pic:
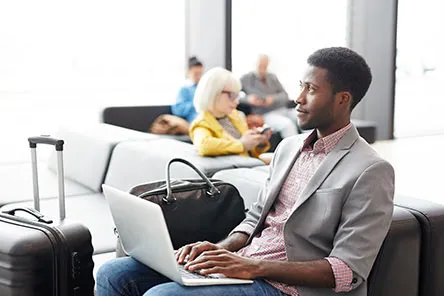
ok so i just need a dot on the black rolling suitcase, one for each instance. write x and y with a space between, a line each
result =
41 257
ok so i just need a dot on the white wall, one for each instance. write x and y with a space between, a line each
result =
288 31
61 62
205 31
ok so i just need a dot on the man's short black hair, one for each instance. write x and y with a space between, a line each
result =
347 71
194 62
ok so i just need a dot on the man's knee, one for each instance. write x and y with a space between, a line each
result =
107 273
167 289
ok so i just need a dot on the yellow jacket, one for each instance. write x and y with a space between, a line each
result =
210 138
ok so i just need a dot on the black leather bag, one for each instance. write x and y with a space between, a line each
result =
195 209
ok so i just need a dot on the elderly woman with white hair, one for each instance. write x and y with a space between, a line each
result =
219 129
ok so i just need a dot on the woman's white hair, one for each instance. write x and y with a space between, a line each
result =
211 85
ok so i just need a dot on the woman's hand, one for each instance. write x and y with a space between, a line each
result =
251 139
266 137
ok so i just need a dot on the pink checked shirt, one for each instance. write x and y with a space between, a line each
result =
269 243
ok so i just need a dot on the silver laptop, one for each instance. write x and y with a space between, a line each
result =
144 235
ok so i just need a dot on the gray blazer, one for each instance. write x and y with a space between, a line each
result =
345 210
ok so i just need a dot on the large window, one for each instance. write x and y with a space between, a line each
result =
420 68
288 31
61 62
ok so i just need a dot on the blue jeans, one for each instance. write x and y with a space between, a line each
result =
128 277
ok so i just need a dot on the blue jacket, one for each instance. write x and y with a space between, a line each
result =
184 106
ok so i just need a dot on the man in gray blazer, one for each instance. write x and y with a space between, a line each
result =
266 96
321 217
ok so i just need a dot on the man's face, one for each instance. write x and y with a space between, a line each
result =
262 66
316 107
195 73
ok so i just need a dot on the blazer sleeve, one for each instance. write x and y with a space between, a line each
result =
365 221
208 145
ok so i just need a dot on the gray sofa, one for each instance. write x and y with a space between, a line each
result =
409 263
99 154
87 154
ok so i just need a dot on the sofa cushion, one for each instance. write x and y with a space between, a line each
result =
431 220
137 162
248 181
263 168
91 210
88 149
17 183
396 268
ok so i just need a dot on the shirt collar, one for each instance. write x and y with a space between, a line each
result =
325 144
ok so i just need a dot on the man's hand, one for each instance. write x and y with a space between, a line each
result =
255 100
226 263
268 101
194 250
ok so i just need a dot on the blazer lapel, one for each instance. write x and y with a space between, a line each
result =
341 149
282 166
280 173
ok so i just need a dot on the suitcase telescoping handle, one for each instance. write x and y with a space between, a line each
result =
33 141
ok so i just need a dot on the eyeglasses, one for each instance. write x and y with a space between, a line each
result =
231 94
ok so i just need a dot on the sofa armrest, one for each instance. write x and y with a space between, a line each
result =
396 268
248 181
88 150
137 118
431 219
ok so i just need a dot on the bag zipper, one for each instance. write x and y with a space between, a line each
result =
164 191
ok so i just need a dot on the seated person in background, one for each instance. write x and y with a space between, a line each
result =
219 129
266 96
184 106
321 218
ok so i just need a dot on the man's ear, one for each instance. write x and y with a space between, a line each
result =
344 98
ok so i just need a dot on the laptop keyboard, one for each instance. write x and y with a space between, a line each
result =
193 274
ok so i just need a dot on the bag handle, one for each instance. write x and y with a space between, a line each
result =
39 216
169 197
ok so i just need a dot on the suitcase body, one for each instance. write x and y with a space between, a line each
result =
41 256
